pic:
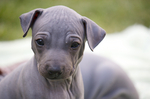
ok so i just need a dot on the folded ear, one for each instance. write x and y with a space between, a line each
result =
94 33
28 19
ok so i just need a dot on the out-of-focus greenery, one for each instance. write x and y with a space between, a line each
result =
112 15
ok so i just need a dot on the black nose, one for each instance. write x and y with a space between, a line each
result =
55 72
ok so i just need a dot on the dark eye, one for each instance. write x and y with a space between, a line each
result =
40 42
75 45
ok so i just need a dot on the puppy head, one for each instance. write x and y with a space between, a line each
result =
58 38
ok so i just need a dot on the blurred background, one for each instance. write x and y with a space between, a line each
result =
112 15
127 23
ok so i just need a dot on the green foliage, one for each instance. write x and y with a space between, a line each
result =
112 15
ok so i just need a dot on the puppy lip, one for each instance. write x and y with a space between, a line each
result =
43 71
58 78
53 79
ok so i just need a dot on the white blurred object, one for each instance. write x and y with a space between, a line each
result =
130 48
15 51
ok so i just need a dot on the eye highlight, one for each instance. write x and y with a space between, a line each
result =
75 45
40 42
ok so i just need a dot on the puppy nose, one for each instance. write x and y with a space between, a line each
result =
55 72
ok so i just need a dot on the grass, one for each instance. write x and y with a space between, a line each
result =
112 15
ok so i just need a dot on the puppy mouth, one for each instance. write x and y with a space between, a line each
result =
53 73
59 76
56 75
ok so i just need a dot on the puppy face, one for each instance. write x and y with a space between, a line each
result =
58 37
58 42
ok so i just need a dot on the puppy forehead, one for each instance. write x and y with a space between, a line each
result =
59 20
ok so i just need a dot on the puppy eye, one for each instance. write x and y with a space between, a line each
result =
40 42
75 45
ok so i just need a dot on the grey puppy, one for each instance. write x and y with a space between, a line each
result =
58 38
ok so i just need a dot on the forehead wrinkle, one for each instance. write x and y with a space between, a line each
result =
42 28
63 19
56 16
70 34
74 22
76 25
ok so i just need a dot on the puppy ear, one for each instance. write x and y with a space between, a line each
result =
94 33
28 19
